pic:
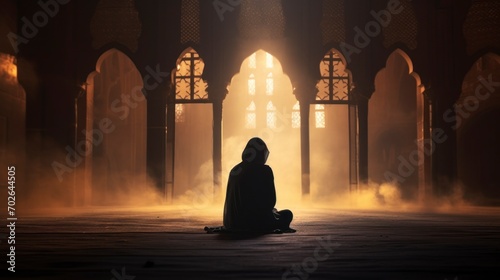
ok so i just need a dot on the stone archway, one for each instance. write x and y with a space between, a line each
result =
398 127
115 125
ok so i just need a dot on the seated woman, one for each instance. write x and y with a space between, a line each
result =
251 196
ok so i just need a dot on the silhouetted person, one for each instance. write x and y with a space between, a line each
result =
251 196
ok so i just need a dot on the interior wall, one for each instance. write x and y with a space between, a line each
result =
478 150
119 114
392 127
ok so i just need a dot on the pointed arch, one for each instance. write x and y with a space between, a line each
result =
264 78
329 127
399 123
411 71
251 59
335 84
117 160
98 64
262 114
191 120
479 70
187 78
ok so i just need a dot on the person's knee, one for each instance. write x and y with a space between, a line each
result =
286 215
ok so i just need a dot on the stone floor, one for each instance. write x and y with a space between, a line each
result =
168 243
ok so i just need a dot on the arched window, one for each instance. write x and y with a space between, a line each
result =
334 87
269 60
190 21
335 83
189 85
179 113
261 84
319 115
271 115
251 118
252 61
269 84
251 85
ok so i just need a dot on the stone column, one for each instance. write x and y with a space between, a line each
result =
305 148
170 146
156 139
217 93
362 102
306 93
217 146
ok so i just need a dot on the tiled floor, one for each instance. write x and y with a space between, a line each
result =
161 243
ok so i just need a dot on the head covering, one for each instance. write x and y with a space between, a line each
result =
255 151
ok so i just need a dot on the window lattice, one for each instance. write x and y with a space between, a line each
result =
189 85
481 25
319 116
190 21
335 83
252 61
179 113
319 113
269 84
116 21
251 85
261 87
333 21
271 115
261 19
403 27
251 118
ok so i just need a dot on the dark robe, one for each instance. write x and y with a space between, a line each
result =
251 195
